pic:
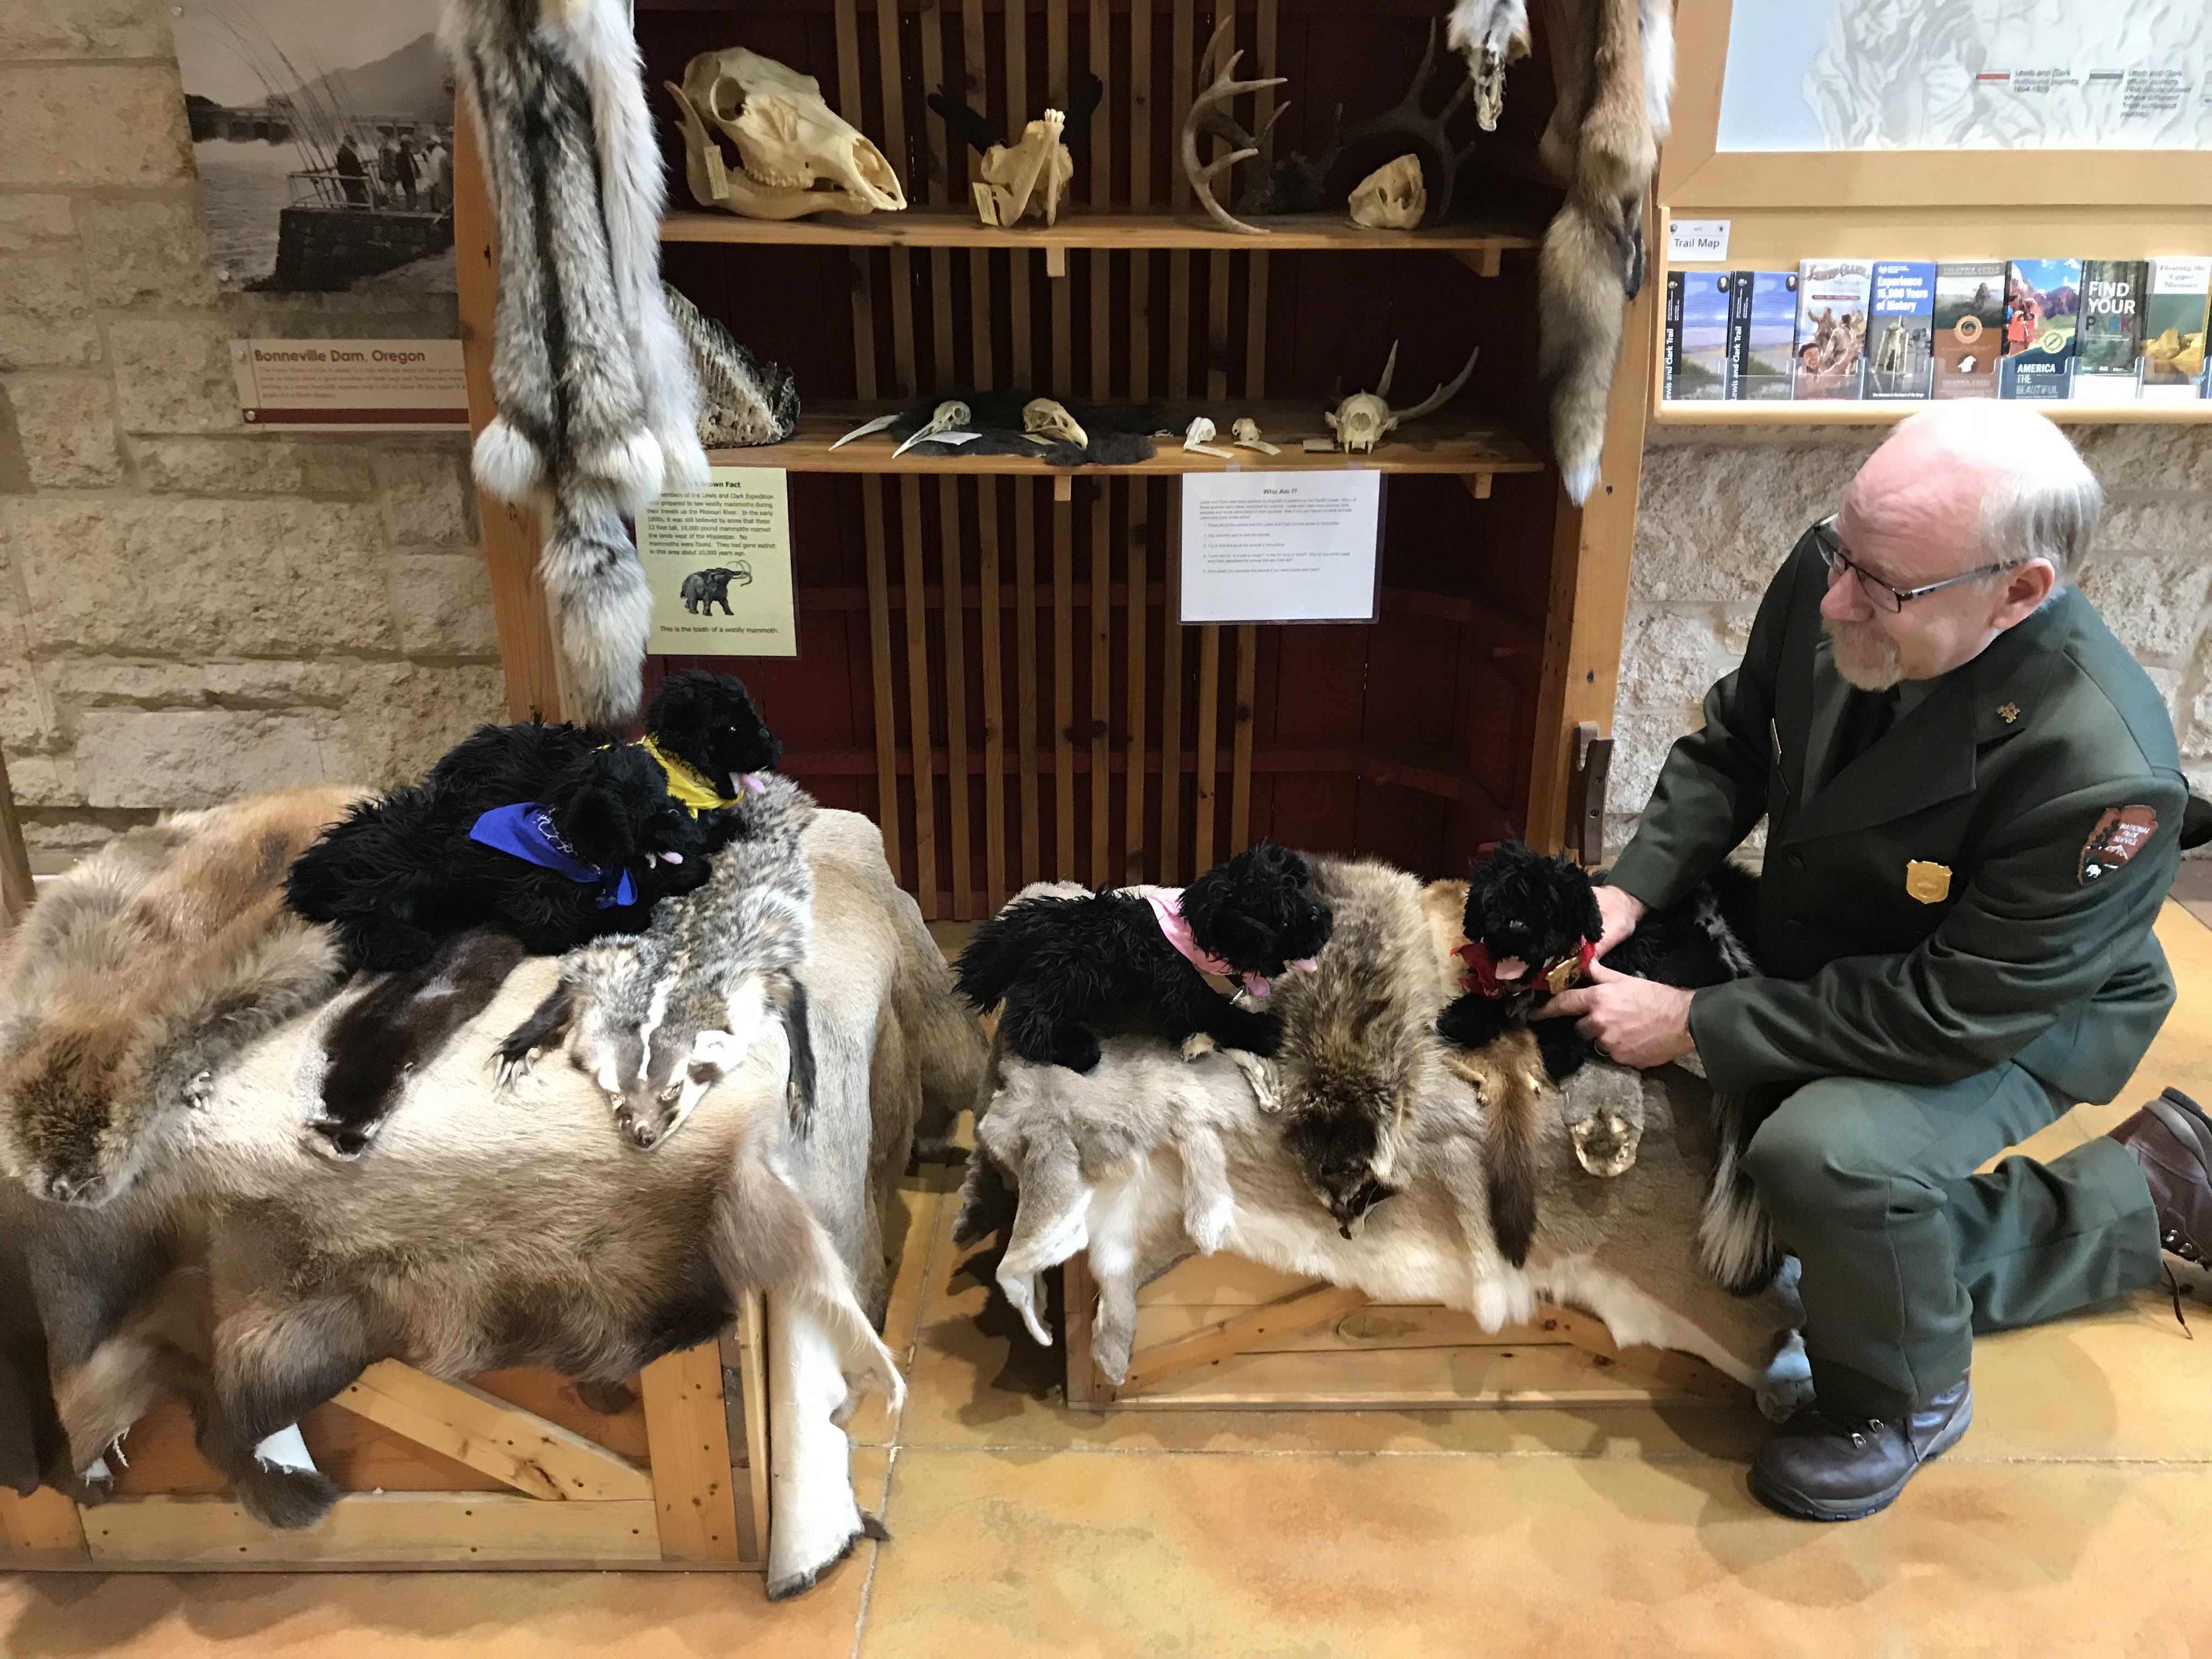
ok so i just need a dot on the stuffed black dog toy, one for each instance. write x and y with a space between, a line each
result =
545 832
1533 927
1071 970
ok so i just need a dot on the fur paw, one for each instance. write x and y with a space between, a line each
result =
200 1091
1606 1146
1197 1046
1787 1382
286 1499
345 1142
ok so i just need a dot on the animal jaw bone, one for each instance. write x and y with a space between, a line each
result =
1364 419
1245 433
1208 113
1392 197
1046 421
1199 439
1027 177
788 140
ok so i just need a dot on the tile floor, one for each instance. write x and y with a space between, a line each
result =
2073 1519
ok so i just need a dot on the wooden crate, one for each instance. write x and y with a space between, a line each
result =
513 1470
1220 1333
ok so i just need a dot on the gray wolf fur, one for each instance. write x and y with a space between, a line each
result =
144 969
658 1019
599 402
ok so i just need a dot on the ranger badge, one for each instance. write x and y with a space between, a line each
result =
1928 883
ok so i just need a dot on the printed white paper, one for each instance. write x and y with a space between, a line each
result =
1691 239
718 560
1280 547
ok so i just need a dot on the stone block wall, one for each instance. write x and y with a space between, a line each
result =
190 607
1716 518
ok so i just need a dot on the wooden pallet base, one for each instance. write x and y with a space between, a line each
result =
1223 1334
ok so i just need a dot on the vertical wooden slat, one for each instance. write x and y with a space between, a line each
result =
1255 392
1142 497
1140 494
1021 275
1209 728
1240 764
887 65
752 1372
1063 512
1169 864
689 1440
872 489
1100 15
915 596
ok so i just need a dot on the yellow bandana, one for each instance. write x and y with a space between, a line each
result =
692 790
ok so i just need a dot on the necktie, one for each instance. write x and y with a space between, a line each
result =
1871 713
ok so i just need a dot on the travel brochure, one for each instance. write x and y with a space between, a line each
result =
2103 332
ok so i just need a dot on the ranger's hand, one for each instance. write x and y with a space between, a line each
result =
1634 1022
1622 910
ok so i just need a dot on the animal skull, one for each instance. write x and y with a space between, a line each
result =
1198 438
1490 34
1363 420
788 141
1392 197
1245 433
1025 177
1047 421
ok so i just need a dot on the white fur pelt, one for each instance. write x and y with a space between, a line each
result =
1101 1163
496 1227
597 400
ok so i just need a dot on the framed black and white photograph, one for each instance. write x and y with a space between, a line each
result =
322 132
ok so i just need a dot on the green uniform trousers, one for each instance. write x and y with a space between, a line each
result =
1907 1253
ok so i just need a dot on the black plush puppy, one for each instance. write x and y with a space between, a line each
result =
1071 971
709 726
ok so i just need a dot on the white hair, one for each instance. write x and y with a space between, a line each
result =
2041 501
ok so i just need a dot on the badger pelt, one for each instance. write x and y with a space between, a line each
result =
1064 971
255 1278
1530 928
1613 64
1357 1038
1623 1249
658 1019
142 972
597 398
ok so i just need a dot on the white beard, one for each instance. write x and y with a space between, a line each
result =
1865 657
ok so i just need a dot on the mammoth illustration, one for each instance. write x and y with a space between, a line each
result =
705 589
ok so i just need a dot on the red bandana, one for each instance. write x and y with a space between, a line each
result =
1483 976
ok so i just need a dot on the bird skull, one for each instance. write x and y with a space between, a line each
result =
1392 197
1200 431
1359 422
1050 422
788 141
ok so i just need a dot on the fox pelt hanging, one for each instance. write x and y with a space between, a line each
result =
1612 63
597 398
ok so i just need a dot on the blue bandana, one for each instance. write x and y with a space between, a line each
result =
525 830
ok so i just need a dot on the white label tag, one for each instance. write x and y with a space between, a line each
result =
1697 239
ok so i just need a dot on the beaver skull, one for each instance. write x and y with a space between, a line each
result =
1392 197
789 141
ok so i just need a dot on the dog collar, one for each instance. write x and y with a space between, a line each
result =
691 788
1558 973
526 830
1167 909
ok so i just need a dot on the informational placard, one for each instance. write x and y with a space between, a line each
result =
719 563
1280 547
338 385
1692 239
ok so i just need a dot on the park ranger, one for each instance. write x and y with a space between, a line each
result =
1973 805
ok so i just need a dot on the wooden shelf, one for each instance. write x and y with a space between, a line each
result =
1856 413
1447 442
1478 244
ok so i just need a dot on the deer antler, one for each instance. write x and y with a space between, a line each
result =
1437 399
1407 116
1208 113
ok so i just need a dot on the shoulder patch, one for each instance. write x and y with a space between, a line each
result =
2121 833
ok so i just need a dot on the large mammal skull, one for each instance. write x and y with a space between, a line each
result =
1392 197
788 140
1363 420
1025 178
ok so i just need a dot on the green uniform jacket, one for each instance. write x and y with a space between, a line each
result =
1999 788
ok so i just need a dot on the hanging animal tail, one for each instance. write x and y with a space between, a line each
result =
602 608
1735 1236
1514 1126
1592 260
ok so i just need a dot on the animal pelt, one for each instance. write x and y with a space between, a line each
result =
1069 970
598 399
1623 1249
502 1227
140 972
658 1019
745 402
400 873
1613 64
1530 923
1120 434
1357 1035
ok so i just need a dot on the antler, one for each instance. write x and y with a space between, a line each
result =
1407 116
1208 112
1437 399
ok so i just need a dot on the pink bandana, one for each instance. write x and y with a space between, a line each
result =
1167 908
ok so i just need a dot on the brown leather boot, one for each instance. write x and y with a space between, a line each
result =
2172 1138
